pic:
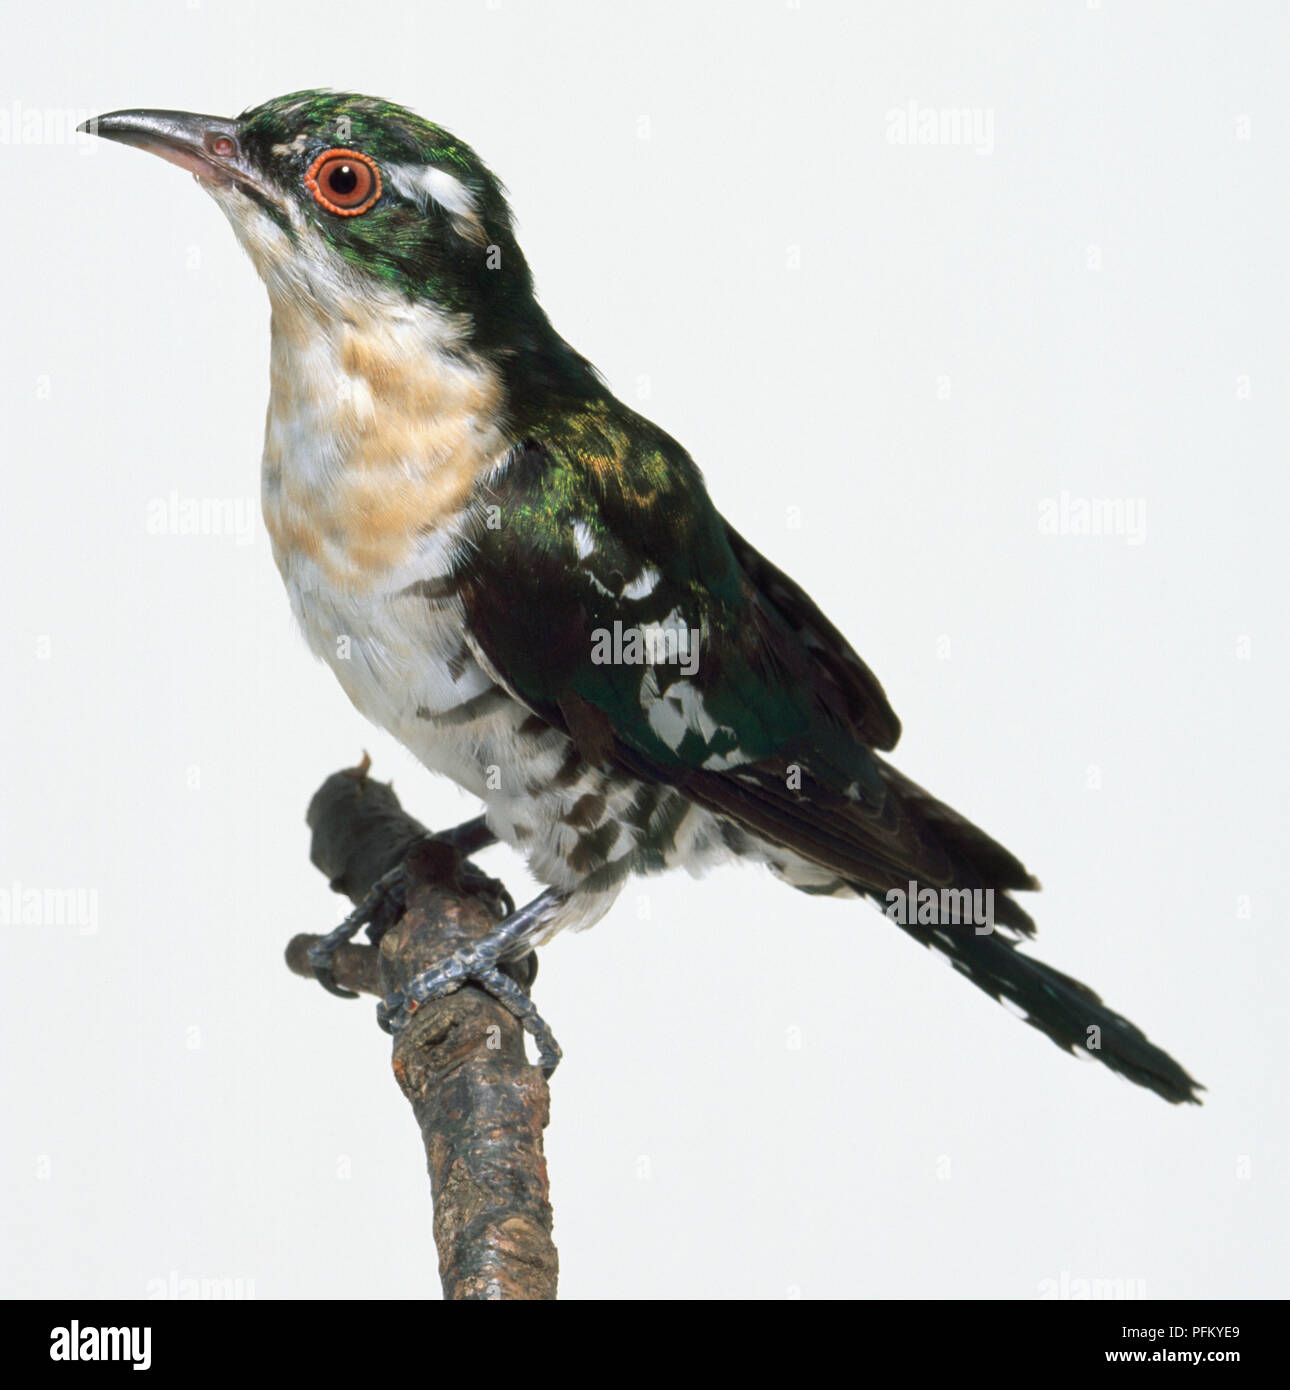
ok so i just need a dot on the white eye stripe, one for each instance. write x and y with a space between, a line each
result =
426 183
295 147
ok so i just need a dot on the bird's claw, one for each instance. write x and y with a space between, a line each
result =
474 882
386 902
501 963
383 904
475 966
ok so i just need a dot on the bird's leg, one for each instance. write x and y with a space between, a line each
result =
482 964
386 900
469 837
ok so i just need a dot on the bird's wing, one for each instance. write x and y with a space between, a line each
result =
835 663
775 725
757 709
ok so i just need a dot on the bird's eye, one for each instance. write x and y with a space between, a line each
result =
344 182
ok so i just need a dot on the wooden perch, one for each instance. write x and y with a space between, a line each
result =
460 1061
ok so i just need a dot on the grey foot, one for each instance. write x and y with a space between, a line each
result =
386 901
483 964
383 904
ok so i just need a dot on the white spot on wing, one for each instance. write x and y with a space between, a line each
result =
678 710
723 762
582 538
643 585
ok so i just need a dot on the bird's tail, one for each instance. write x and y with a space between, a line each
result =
1062 1008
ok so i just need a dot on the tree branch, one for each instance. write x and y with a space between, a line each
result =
460 1061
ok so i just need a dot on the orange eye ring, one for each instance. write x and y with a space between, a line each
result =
345 182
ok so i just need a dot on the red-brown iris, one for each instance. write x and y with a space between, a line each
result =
344 182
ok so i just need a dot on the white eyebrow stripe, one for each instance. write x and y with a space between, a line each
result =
295 147
425 183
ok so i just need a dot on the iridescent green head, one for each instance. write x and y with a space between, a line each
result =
335 193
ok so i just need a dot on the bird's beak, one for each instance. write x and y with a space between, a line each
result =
207 146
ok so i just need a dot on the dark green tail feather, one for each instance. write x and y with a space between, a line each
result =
1061 1008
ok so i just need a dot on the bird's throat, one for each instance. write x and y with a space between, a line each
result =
380 425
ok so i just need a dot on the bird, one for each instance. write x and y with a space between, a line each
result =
527 584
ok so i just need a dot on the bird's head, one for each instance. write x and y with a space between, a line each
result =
337 196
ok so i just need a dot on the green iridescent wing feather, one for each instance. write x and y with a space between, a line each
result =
603 527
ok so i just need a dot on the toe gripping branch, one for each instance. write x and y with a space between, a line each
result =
489 963
378 855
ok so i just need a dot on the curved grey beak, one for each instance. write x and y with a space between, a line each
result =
207 146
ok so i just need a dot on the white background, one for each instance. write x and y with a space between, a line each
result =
763 1095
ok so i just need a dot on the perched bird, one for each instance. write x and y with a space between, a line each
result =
527 584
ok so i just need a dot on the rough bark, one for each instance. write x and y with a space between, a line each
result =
460 1061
